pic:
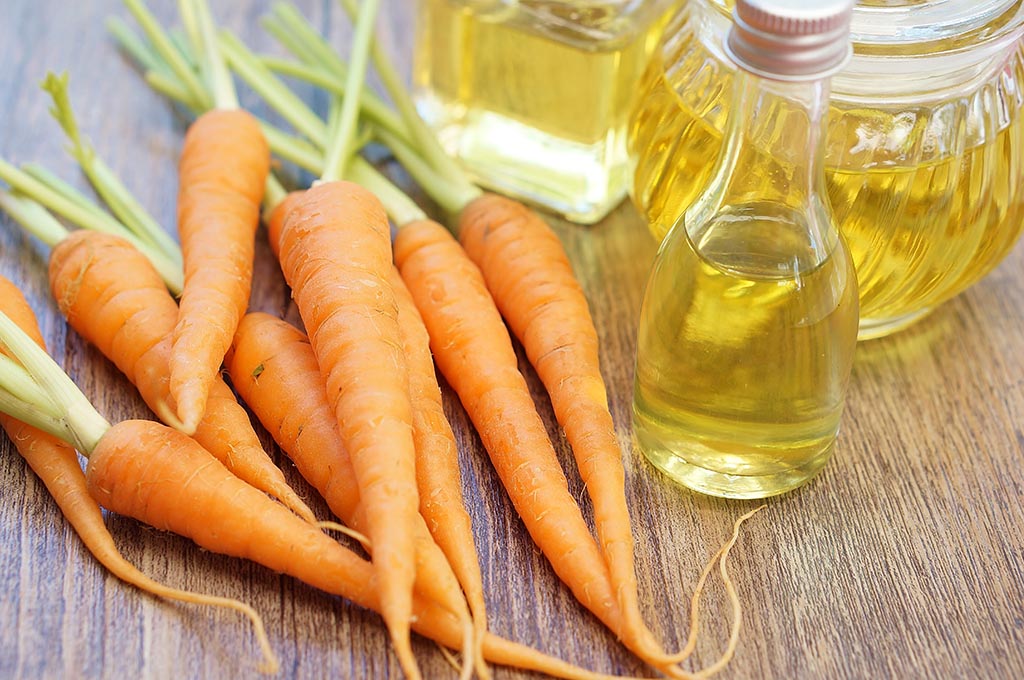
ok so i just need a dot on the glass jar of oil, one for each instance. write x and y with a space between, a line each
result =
925 155
749 321
533 96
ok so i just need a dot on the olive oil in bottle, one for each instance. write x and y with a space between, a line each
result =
749 321
533 96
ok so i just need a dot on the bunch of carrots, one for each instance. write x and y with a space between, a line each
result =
364 421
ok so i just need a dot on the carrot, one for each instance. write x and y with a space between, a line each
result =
112 297
529 276
56 464
223 168
335 254
270 357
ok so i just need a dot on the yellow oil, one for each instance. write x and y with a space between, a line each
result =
534 96
923 219
742 362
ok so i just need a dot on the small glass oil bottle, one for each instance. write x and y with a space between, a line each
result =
749 321
533 96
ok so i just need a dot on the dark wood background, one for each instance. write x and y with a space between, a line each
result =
905 558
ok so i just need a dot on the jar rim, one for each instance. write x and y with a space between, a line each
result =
914 28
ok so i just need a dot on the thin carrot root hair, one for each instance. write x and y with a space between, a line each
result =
347 531
720 557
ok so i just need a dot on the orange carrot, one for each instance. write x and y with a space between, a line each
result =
528 273
474 352
223 168
335 254
111 295
56 464
270 357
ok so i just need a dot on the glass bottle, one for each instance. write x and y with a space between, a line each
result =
749 320
533 96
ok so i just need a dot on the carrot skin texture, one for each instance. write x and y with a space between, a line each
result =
222 174
335 253
268 358
110 294
474 352
529 275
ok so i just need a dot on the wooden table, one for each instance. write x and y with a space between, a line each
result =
905 558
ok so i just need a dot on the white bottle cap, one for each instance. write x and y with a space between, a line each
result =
790 39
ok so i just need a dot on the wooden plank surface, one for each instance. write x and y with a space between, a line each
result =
905 558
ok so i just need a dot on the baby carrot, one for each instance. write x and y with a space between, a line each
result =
222 172
335 254
56 464
223 167
111 296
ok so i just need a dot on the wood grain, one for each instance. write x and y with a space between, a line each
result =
904 558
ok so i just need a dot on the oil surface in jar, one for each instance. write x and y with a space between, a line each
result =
534 96
745 345
924 218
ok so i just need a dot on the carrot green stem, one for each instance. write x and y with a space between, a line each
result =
28 412
211 60
270 88
63 188
298 45
183 44
137 48
34 218
96 220
340 146
17 382
452 198
426 141
402 209
372 106
273 194
172 89
170 54
84 423
110 188
318 51
294 149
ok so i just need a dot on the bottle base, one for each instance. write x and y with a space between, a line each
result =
879 328
730 484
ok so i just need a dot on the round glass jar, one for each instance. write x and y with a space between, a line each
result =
925 149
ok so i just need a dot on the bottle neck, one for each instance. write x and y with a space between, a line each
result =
771 166
774 140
